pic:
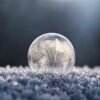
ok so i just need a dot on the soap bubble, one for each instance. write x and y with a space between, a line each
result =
51 51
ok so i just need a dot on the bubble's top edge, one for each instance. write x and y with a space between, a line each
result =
57 35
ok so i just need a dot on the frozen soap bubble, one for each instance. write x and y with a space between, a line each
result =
51 51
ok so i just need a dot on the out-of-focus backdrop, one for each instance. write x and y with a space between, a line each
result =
21 21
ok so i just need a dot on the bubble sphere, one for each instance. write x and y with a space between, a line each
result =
51 51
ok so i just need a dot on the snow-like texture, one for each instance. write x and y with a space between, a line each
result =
25 84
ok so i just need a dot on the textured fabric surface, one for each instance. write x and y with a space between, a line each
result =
25 84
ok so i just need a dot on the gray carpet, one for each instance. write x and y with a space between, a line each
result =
25 84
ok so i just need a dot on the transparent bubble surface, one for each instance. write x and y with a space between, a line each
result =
53 52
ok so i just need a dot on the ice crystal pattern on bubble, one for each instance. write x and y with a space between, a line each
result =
51 50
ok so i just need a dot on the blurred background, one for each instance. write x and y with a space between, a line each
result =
21 21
